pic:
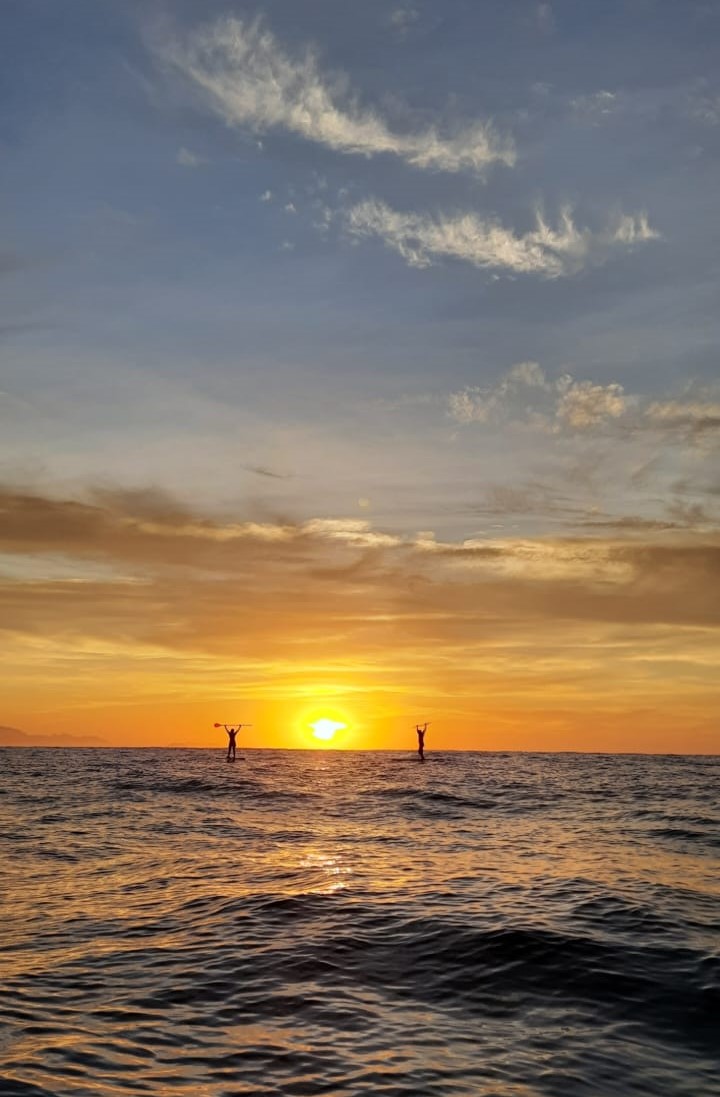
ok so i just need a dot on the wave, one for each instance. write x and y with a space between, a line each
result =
688 835
488 972
492 924
433 798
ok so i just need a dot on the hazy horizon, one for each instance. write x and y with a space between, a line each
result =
410 749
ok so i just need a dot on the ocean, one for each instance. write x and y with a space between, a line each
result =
495 925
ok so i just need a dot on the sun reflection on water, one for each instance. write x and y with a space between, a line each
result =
330 874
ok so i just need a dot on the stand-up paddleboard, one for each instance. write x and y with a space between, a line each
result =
232 730
421 730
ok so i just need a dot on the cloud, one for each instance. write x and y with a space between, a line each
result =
261 470
149 527
697 416
189 159
597 106
274 611
149 536
705 108
676 103
534 499
584 404
353 531
691 515
402 18
546 251
630 524
525 394
249 80
476 404
527 373
545 17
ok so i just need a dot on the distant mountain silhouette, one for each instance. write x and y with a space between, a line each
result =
13 737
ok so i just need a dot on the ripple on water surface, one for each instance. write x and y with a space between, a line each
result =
307 923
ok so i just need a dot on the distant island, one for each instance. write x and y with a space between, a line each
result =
13 737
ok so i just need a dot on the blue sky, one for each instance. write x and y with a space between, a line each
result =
259 233
428 287
199 280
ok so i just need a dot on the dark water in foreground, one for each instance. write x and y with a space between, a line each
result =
319 923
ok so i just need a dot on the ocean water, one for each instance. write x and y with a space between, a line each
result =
358 923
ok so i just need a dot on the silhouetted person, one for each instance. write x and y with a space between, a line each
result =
421 740
232 732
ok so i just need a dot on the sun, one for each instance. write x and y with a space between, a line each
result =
325 729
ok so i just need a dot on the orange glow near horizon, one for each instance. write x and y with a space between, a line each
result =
377 721
510 661
504 724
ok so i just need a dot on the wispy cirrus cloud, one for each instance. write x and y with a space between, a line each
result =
252 82
551 252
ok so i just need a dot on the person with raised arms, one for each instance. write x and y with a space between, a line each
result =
232 730
421 739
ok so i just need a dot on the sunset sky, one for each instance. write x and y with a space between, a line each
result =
359 362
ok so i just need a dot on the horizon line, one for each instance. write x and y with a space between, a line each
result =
372 750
